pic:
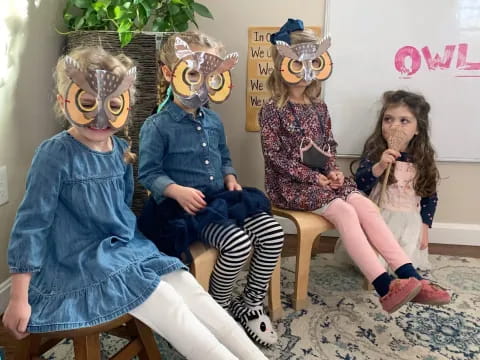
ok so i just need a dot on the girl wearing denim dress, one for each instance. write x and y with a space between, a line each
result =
75 255
301 172
185 164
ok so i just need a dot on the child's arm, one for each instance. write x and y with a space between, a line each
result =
152 147
368 172
18 310
332 144
364 176
129 185
28 240
428 206
277 157
227 168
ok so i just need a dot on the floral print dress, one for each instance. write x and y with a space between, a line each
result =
288 182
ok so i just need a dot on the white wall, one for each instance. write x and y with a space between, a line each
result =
459 205
27 32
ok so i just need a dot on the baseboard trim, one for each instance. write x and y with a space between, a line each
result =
455 234
441 233
5 294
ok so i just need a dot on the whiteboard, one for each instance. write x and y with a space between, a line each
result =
380 45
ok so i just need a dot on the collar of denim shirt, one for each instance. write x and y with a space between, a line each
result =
179 114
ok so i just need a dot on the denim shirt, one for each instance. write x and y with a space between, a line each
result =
178 148
74 231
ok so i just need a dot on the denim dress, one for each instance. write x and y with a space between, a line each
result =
75 232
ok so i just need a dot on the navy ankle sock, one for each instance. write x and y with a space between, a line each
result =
407 271
382 284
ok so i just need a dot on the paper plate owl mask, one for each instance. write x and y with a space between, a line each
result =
200 76
305 61
110 91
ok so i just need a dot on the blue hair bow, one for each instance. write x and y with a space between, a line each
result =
284 33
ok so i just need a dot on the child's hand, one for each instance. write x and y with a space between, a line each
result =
337 178
16 318
231 183
323 180
190 199
424 238
388 157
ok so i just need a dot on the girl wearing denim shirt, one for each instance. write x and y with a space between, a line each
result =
185 164
75 255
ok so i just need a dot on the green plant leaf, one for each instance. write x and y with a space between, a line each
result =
173 9
92 19
202 10
82 4
125 38
147 9
126 5
79 21
142 17
118 11
125 25
161 25
191 15
98 5
67 17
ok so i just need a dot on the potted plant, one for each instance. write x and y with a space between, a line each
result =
128 27
130 17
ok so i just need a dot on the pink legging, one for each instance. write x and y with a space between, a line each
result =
357 219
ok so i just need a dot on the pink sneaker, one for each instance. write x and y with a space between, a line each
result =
401 291
432 294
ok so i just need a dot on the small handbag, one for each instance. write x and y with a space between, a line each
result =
313 155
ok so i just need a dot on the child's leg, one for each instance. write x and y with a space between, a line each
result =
213 316
267 239
234 248
345 219
267 236
393 294
378 232
177 324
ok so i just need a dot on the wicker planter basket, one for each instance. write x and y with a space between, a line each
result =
142 50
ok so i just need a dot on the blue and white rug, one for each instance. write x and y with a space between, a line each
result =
346 322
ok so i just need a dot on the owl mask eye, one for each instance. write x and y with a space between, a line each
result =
201 75
97 98
305 61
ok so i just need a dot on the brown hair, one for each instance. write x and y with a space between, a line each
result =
277 86
167 55
93 58
419 148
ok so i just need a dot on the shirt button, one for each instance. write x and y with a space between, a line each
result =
204 144
207 162
199 128
211 178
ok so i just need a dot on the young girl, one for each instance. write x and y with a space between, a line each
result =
75 255
301 173
410 200
185 164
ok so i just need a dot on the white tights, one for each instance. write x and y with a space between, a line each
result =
183 313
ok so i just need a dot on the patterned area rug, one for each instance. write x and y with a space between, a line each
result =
346 322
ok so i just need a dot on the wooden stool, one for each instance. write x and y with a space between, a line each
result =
309 227
204 259
86 341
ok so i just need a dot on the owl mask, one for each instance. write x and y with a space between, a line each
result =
111 93
200 76
305 61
